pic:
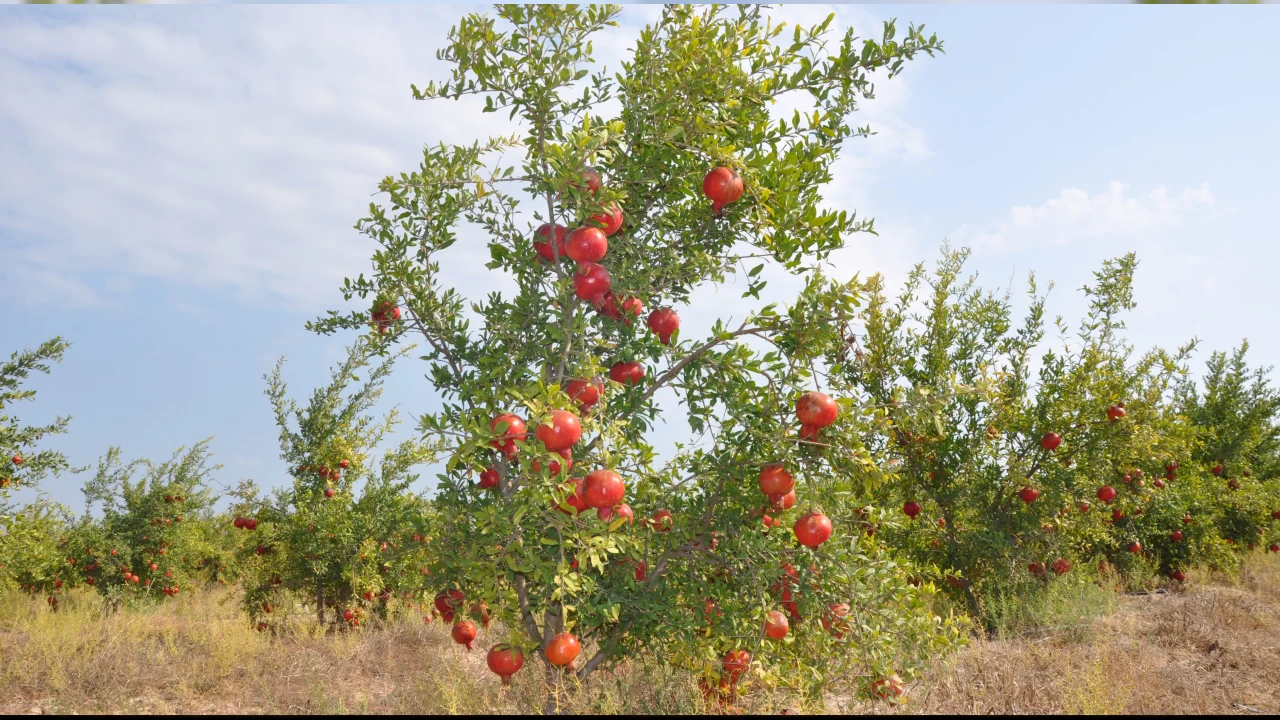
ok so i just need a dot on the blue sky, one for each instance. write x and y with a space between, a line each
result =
178 186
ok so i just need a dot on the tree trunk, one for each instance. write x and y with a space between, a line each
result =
555 677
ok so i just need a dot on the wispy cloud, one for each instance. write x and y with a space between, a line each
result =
1076 215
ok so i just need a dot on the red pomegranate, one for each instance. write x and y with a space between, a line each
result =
585 392
1061 567
664 322
576 500
1028 494
722 186
1106 493
775 480
813 529
544 247
591 282
561 432
505 661
586 245
1135 547
835 620
1115 412
785 501
624 510
816 409
1050 441
562 649
488 478
776 625
911 508
464 633
508 428
603 489
610 221
627 373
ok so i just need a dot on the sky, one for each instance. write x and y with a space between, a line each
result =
178 187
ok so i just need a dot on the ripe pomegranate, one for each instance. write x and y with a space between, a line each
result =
544 246
562 432
1036 568
1274 548
1050 441
449 601
1028 494
488 478
776 625
344 464
664 322
622 510
610 221
631 308
722 186
17 459
885 687
591 282
576 500
591 177
661 521
464 633
1275 514
813 529
627 373
1158 483
735 663
1106 493
513 429
562 649
348 614
775 480
1186 519
835 621
330 492
587 245
1217 469
1061 567
585 392
555 466
505 661
911 508
1115 412
816 409
641 570
1234 484
1135 547
238 522
1178 575
1117 515
603 488
1084 507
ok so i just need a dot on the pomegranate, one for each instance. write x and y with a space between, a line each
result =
816 409
448 602
1050 441
562 432
632 308
1106 493
1115 412
585 392
722 186
735 663
1135 547
544 246
776 625
576 500
489 478
609 221
592 177
661 521
1217 469
641 570
664 322
591 282
556 466
586 245
562 649
238 522
627 373
813 529
775 480
622 510
885 687
785 501
1028 494
911 508
464 633
603 489
505 661
1061 567
835 621
509 428
1178 575
1176 536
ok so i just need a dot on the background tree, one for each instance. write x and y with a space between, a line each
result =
558 558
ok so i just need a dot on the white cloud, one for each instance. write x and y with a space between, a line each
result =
1075 215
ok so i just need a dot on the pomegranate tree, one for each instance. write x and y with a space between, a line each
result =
555 555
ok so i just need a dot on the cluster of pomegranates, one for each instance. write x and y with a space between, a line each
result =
243 523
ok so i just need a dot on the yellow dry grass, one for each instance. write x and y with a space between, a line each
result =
1212 649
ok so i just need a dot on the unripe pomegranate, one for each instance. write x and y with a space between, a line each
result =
603 489
561 432
464 633
664 322
775 480
504 661
813 529
543 246
627 373
722 186
591 282
816 409
562 649
587 245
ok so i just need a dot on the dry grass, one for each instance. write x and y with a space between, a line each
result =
1209 650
